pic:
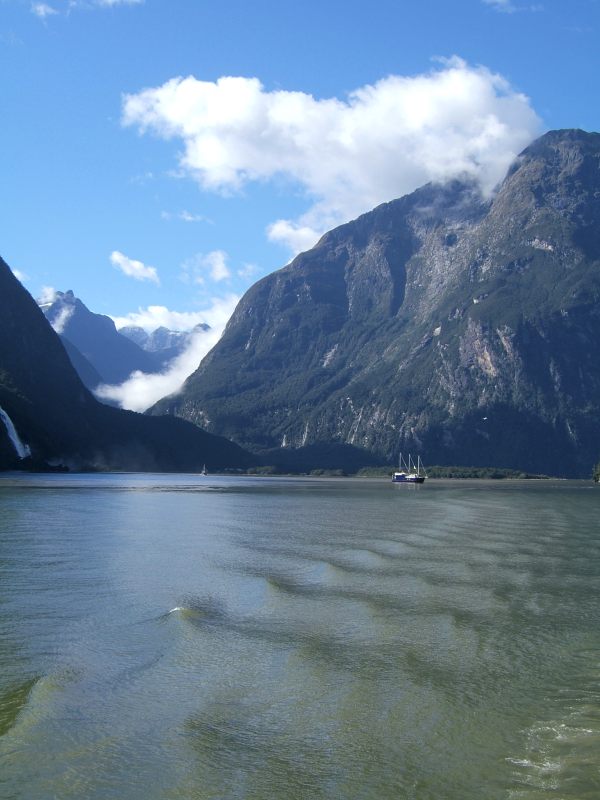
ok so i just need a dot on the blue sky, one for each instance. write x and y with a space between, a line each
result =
139 190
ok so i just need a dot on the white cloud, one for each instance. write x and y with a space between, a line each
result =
349 155
132 268
216 263
20 276
294 236
213 264
155 317
43 10
141 391
59 322
186 216
47 296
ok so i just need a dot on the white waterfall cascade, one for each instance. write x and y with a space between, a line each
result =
22 450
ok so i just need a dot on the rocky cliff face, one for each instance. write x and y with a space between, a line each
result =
61 422
446 323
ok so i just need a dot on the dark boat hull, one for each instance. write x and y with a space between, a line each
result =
408 479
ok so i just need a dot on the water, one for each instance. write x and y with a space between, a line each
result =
186 637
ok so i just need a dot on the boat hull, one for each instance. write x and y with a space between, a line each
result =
399 478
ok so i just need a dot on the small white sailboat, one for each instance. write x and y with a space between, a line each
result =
204 471
409 471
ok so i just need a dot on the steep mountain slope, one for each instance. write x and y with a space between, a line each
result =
95 336
61 421
462 327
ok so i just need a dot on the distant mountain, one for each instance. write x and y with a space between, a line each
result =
135 334
460 327
59 419
113 356
90 377
165 343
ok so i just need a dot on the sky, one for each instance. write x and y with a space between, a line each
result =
160 156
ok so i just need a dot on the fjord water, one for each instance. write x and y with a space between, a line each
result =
187 637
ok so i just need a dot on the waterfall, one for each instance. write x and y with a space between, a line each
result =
22 450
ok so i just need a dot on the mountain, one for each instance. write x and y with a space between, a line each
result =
113 356
60 420
163 342
461 327
89 375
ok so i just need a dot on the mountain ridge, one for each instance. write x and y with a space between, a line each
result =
460 326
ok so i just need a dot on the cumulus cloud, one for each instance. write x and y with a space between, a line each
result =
141 391
295 236
216 264
380 142
213 264
132 268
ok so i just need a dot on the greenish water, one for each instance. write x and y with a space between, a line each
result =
186 637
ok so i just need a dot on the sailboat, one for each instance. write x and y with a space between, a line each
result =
409 471
204 471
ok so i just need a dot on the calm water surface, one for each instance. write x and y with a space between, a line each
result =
168 637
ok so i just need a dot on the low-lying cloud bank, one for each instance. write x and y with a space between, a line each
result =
140 391
382 141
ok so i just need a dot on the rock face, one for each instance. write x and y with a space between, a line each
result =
59 419
444 323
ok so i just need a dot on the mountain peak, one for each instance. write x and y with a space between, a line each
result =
565 150
460 327
565 136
